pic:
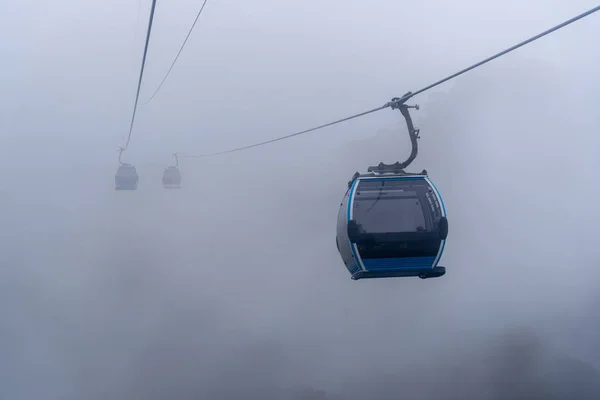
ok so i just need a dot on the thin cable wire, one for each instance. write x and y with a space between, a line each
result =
289 136
135 38
411 94
523 43
137 96
178 53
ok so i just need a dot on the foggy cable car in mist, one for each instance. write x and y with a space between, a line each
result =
171 176
126 177
392 223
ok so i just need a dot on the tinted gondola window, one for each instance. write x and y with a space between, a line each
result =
389 215
391 206
172 174
127 172
434 205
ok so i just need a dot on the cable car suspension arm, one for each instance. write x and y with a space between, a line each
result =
121 150
413 133
398 103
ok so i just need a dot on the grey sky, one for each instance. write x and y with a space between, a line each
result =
235 279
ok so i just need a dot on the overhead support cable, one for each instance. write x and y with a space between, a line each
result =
137 96
396 102
178 54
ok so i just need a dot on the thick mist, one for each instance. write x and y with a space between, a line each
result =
232 287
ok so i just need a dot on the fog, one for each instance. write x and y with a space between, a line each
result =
232 287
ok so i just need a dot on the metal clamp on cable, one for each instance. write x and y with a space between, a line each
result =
398 102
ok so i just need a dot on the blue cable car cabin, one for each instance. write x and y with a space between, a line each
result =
392 225
171 178
126 177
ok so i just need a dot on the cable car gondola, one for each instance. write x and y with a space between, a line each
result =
171 176
392 223
126 177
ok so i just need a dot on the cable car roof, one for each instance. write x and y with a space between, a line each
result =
126 166
385 171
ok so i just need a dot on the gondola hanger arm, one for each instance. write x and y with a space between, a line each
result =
121 150
399 103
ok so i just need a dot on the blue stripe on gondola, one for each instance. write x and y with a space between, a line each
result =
348 220
374 264
392 178
441 253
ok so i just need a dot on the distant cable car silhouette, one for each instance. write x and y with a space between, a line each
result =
392 223
171 176
126 177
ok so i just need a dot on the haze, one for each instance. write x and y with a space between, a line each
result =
232 287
